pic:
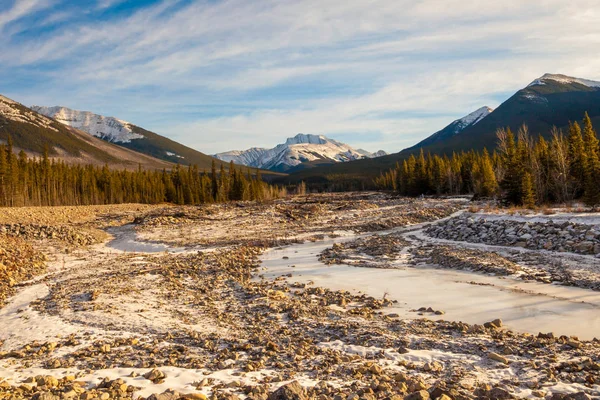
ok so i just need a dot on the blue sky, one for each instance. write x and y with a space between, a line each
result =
221 75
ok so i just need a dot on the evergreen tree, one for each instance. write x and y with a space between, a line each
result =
592 164
511 183
528 194
529 171
489 185
213 181
577 157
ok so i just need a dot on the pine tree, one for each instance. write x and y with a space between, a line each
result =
591 194
528 194
514 172
577 157
213 181
489 185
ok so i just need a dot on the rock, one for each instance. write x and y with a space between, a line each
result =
585 247
577 396
375 369
420 395
500 394
154 375
166 395
549 335
291 391
574 343
498 357
433 366
497 323
194 396
47 396
47 381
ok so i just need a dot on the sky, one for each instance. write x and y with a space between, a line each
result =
218 75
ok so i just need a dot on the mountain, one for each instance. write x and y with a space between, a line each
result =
127 135
33 132
550 100
455 127
300 152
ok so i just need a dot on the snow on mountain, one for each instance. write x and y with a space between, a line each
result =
302 148
248 157
472 118
14 111
108 128
564 79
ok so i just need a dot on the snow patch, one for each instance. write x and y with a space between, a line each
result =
534 97
170 154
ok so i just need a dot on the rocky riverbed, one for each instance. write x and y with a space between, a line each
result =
537 234
199 318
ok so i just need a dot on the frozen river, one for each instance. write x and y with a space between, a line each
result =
469 297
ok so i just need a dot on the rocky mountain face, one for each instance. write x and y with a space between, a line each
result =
35 133
301 151
128 135
108 128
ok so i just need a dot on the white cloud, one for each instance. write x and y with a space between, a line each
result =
425 62
20 9
104 4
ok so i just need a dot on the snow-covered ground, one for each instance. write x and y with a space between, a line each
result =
196 305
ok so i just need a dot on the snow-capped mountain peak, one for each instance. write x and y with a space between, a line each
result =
303 138
300 149
456 127
108 128
474 117
564 79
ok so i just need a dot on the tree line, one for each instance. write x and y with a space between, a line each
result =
522 170
31 181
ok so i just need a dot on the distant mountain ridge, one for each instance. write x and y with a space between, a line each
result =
301 151
550 100
127 135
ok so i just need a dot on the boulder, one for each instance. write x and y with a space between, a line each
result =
498 357
420 395
290 391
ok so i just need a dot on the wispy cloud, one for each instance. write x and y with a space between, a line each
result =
20 9
104 4
236 73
